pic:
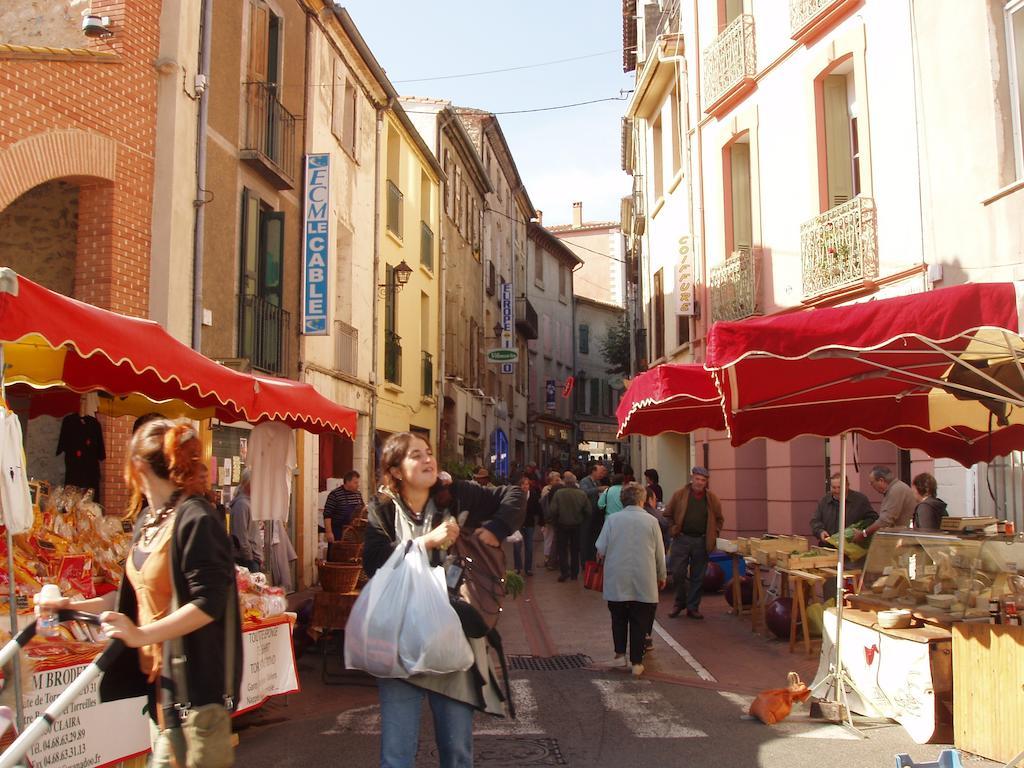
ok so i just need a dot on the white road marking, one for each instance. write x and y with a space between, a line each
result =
697 667
797 725
526 715
646 713
364 721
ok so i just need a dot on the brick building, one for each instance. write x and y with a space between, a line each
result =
77 135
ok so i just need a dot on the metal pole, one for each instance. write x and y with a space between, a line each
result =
840 687
12 596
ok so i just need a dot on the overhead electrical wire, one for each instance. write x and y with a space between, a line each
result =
556 234
509 69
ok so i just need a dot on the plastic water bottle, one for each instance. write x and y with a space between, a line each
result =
48 621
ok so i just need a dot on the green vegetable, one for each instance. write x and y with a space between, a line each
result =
514 584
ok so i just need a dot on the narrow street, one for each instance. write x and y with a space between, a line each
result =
688 709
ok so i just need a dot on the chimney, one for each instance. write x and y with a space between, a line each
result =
577 215
539 215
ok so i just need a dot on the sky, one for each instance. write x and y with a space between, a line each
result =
563 155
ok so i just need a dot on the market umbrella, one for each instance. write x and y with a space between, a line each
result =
670 398
940 371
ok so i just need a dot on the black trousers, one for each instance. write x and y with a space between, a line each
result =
567 543
633 620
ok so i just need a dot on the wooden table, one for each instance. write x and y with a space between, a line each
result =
803 583
738 608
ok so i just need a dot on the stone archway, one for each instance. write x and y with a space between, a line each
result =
54 155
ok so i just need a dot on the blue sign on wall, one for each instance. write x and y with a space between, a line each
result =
508 319
316 236
499 452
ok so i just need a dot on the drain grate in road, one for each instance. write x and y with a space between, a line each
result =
549 663
503 752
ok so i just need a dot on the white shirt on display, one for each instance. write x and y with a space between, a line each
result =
272 463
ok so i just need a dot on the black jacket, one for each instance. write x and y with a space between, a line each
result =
500 510
534 514
929 512
204 575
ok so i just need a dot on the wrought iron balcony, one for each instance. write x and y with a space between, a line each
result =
526 318
264 334
426 246
736 287
639 210
809 17
392 357
428 375
729 64
839 247
394 209
268 143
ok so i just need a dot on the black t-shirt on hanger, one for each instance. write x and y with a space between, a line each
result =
81 442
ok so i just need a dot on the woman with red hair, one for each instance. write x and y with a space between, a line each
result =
177 606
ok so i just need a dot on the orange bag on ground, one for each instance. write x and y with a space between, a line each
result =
774 705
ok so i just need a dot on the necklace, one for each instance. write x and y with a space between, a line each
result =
156 519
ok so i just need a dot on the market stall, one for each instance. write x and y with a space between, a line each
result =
55 350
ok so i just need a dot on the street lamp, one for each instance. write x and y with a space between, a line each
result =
401 274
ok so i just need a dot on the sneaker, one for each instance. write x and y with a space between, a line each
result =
622 657
648 645
674 613
638 669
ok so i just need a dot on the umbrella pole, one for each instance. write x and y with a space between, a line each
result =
12 597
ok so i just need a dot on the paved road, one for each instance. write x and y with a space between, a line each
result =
593 718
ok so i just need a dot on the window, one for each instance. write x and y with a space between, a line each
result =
584 339
682 329
343 109
594 399
676 120
447 181
562 282
426 233
842 162
392 341
265 35
538 264
474 226
731 9
738 226
395 197
459 201
263 324
1015 53
348 139
658 158
658 310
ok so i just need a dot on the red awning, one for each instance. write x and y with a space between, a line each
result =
51 340
939 371
670 398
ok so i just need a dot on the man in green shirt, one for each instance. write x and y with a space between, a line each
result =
696 515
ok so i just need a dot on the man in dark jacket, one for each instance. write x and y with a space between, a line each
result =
826 517
696 515
569 510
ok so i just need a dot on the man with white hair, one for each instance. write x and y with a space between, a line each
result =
898 502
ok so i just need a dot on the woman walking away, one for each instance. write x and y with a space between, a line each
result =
406 510
634 572
930 509
177 608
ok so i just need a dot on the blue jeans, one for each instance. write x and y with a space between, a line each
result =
690 561
401 705
517 551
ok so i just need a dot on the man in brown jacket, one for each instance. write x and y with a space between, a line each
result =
696 515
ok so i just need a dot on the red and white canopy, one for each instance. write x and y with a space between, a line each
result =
940 371
670 398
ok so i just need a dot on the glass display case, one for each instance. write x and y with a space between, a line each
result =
941 576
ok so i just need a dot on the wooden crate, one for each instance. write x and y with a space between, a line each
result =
823 560
988 707
771 551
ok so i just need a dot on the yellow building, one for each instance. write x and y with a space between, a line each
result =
408 270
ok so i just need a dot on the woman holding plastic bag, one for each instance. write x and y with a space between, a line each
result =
413 507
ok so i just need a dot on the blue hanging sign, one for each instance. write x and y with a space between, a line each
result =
316 236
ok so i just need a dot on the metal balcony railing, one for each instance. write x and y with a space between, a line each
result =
428 375
392 357
264 334
394 209
269 138
804 14
639 210
346 348
839 247
426 246
526 318
735 287
729 61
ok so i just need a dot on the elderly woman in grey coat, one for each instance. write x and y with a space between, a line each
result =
634 572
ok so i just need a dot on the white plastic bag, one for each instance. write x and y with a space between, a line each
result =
432 639
515 538
375 623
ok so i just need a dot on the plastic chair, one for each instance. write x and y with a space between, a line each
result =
948 758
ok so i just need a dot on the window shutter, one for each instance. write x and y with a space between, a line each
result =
742 219
259 35
838 152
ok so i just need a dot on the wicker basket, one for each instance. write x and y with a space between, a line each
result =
339 577
331 609
344 552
